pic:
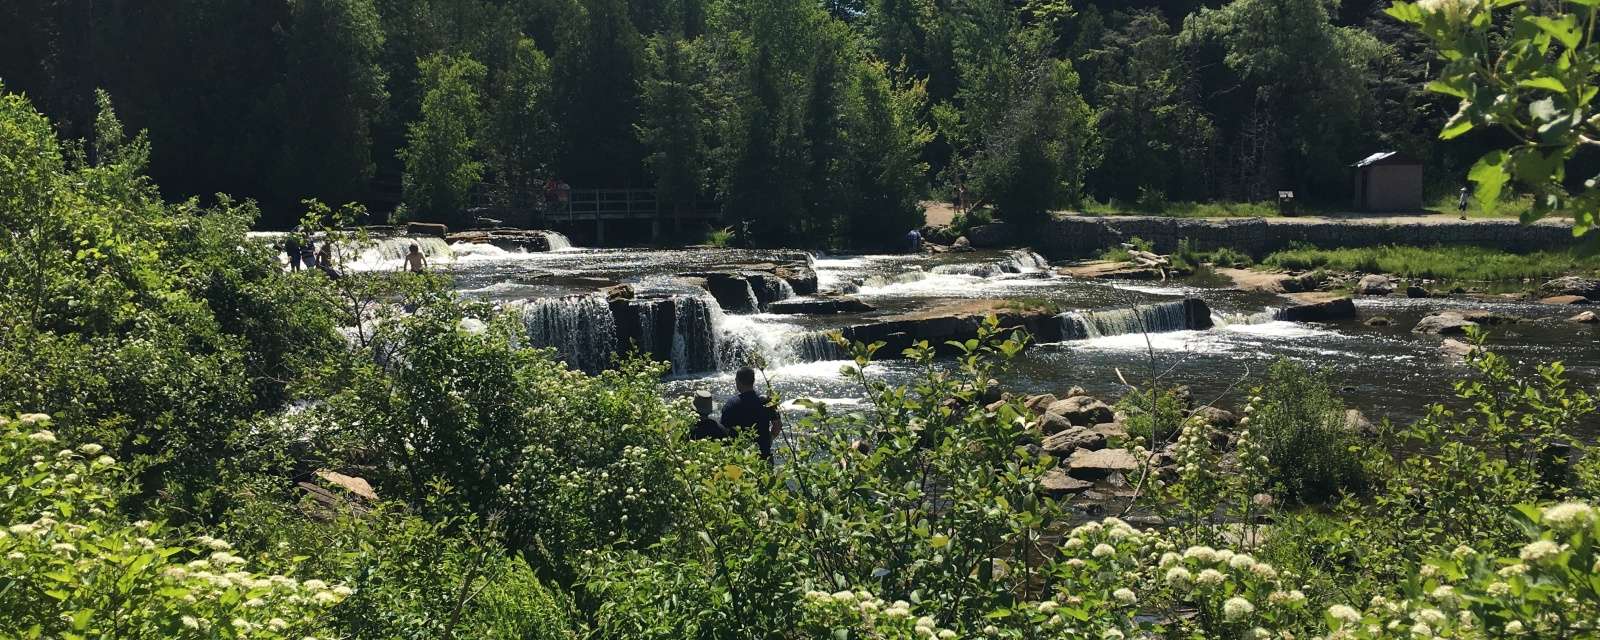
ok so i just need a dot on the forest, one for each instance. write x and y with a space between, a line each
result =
826 121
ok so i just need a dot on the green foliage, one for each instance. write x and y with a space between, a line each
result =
1527 71
334 92
440 154
1153 418
1444 262
74 569
721 238
412 577
162 331
1303 430
1220 257
520 133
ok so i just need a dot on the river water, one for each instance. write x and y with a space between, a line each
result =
1387 372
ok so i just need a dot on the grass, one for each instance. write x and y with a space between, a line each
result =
720 237
1438 262
1184 209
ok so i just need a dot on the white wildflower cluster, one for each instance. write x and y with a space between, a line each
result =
870 615
1238 586
67 538
1451 9
1568 517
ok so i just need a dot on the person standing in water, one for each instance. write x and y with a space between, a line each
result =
707 428
751 410
291 246
1461 203
415 261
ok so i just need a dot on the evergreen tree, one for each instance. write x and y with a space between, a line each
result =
334 91
440 154
521 131
674 120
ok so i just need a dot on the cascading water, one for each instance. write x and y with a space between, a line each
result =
389 253
580 329
1154 318
557 240
749 342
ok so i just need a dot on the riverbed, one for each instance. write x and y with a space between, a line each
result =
1387 372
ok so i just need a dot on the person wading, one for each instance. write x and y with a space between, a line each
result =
750 410
291 246
415 261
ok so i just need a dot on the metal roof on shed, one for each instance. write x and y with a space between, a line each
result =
1386 157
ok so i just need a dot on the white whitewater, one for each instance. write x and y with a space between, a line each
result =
1152 318
579 328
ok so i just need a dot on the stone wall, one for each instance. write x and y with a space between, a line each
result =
1079 237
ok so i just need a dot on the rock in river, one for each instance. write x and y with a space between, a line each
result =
1057 484
1457 322
1587 317
1572 286
1338 309
1063 443
1083 411
1219 418
1092 465
1564 300
1375 285
817 306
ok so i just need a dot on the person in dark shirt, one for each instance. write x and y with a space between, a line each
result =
750 410
291 246
707 427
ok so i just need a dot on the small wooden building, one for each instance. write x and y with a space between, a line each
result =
1388 181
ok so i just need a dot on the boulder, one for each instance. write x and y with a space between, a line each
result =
1081 411
991 235
354 485
618 292
1415 291
1051 424
732 291
1564 300
1455 348
1093 465
801 278
1444 323
1357 422
1587 317
1075 391
1374 285
426 229
1328 311
961 244
1039 403
1111 430
1379 321
1063 443
1058 484
819 306
1572 286
1489 318
1219 418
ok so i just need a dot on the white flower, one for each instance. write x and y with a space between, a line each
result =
1421 630
22 529
1125 596
1236 609
1539 550
1048 607
1111 634
105 461
1103 550
345 592
1498 589
314 585
190 622
33 418
1569 516
1433 617
42 436
1241 562
947 635
1444 593
1179 577
1451 9
325 597
1514 628
16 556
1169 558
91 449
1210 578
845 597
1344 613
1204 554
991 631
63 547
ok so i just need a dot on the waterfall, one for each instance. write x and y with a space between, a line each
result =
694 334
557 240
388 253
1190 313
1015 261
745 342
898 278
579 328
1026 261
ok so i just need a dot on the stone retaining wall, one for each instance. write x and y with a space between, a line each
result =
1077 237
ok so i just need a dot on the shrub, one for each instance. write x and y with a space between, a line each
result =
73 569
1302 429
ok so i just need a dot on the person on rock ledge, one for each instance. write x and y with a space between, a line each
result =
750 410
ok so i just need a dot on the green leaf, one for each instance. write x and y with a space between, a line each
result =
1544 82
80 620
1489 172
1449 89
1564 29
